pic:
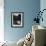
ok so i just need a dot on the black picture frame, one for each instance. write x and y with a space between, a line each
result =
17 19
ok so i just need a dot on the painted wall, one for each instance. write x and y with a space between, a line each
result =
43 6
29 7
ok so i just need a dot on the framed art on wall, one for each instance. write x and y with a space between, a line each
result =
17 19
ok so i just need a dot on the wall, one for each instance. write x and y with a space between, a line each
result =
43 6
29 7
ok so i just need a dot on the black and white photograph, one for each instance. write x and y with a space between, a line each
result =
17 19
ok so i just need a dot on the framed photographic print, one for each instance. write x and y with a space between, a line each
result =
17 19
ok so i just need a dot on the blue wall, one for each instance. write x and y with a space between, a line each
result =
43 6
29 7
